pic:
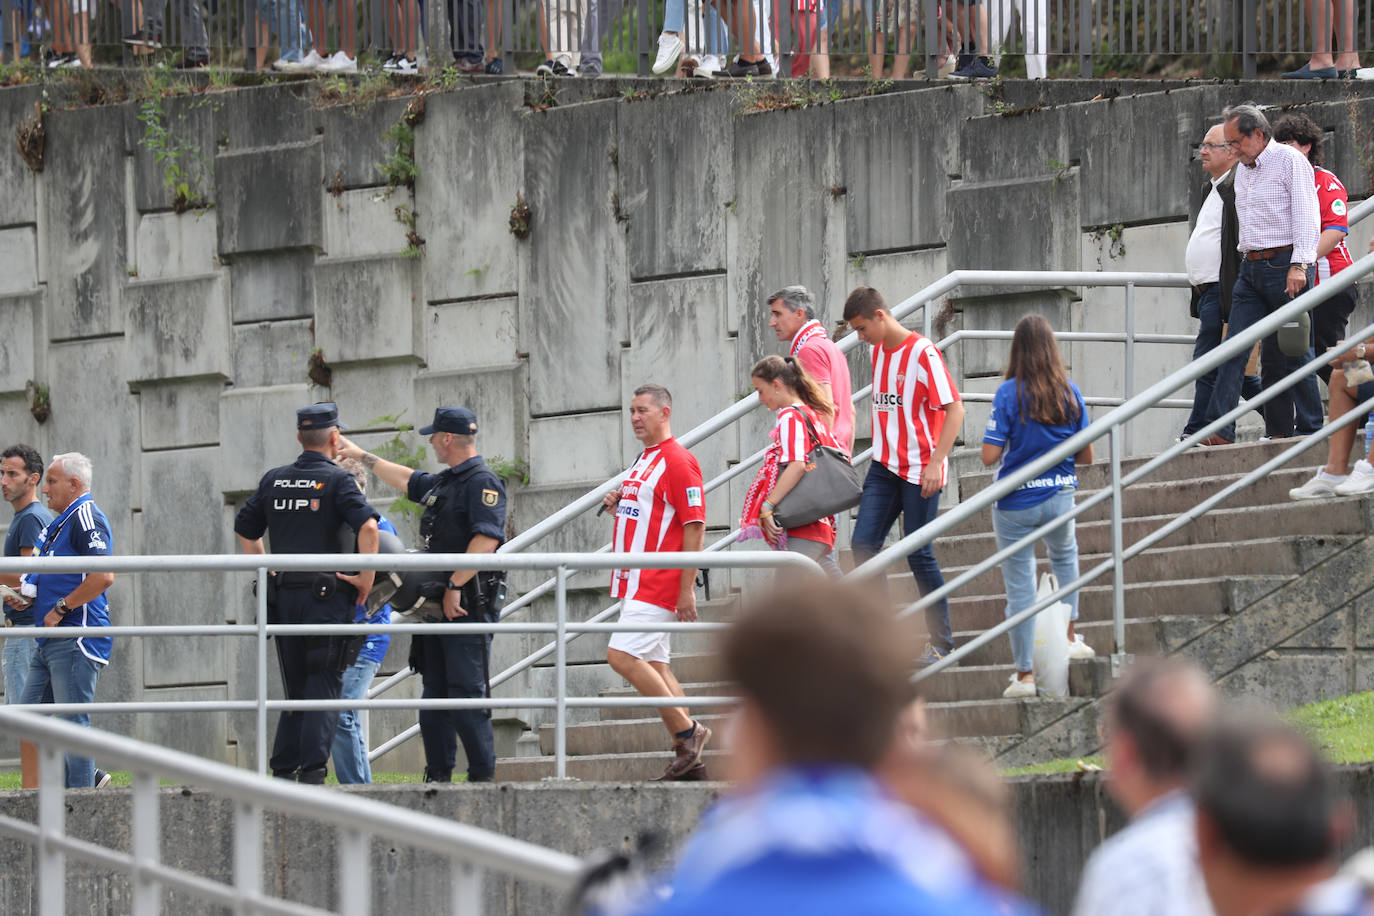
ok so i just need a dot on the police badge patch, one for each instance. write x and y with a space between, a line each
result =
489 497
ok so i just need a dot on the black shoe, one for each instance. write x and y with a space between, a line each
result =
430 777
313 777
739 68
192 62
144 38
102 779
288 775
494 66
980 68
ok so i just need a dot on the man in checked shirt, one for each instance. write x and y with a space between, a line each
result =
1276 201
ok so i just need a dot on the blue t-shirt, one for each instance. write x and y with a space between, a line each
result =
81 530
1024 441
374 650
25 531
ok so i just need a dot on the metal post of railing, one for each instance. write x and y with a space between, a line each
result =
146 892
927 315
1085 38
466 890
52 815
1249 39
262 672
643 37
1119 564
247 855
355 894
560 680
1130 356
935 48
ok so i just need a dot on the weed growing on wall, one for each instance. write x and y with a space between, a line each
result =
185 167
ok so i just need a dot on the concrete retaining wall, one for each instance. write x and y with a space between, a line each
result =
176 345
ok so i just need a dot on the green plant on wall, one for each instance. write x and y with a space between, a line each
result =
510 470
185 167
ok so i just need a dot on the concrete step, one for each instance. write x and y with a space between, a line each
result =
1285 556
610 767
1339 516
1153 636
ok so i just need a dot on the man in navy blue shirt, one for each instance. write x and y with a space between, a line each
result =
21 471
301 507
65 669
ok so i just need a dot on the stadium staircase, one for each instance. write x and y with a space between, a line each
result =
1235 590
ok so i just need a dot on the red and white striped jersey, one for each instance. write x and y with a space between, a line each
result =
1332 199
661 494
911 387
793 440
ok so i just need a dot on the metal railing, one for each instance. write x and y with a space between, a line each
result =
1086 32
561 628
470 850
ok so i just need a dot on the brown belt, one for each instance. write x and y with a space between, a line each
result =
1264 254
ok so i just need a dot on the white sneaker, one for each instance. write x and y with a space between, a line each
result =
1019 689
947 67
707 65
339 62
282 65
1079 649
1319 487
1365 73
312 60
670 48
405 67
1359 482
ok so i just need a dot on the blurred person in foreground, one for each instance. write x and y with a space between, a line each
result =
1153 722
1271 818
823 678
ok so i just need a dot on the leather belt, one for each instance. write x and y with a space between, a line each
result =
1264 254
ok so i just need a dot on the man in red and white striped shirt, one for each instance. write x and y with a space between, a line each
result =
916 417
659 508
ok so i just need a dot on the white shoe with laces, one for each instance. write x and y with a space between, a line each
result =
1359 482
1319 487
312 60
1079 649
670 48
338 62
1019 689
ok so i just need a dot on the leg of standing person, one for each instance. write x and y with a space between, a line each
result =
349 749
879 505
1329 321
72 678
1343 14
1018 575
813 550
917 512
465 34
1208 339
465 659
194 36
1307 399
438 732
1062 546
1035 18
286 747
1247 307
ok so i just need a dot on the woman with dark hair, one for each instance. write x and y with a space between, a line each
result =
1033 411
805 416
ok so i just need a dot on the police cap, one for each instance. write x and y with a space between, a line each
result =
319 416
457 420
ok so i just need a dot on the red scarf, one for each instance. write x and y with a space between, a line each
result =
812 328
763 484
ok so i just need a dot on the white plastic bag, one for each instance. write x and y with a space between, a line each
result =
1051 654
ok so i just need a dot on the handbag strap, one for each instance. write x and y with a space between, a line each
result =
813 438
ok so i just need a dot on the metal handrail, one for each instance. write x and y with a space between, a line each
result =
358 820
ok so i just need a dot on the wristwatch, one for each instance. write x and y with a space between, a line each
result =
452 587
1299 265
61 607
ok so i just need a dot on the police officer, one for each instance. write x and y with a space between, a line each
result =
464 512
301 507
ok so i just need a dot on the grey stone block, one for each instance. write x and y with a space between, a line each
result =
273 287
205 734
176 244
988 232
355 141
269 199
85 245
577 447
363 223
888 154
368 393
177 329
19 203
20 315
190 124
465 223
1000 313
179 414
367 309
574 300
472 334
19 254
674 193
264 116
497 396
1041 139
259 433
270 353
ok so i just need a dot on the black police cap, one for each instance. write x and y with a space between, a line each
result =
457 420
319 416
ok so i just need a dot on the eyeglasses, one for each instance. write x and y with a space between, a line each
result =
1235 144
1212 146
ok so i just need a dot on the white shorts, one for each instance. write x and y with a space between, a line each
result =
651 647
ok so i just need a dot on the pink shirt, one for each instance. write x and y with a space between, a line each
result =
1276 202
825 363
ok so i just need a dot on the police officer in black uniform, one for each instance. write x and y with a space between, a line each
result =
301 506
464 512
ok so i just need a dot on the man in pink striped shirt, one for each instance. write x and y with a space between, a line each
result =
792 316
1276 203
916 416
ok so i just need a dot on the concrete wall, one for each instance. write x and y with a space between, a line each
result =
1060 820
176 345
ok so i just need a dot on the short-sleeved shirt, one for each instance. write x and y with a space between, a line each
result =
374 648
26 529
794 441
301 506
659 496
1024 439
464 500
80 530
1334 203
911 388
824 362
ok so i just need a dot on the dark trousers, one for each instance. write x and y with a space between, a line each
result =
1329 323
455 667
885 496
1209 333
465 29
1260 289
309 671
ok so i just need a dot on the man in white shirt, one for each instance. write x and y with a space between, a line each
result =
1154 721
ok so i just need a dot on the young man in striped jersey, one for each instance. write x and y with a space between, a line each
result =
659 507
916 418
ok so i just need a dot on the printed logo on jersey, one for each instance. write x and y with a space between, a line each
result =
628 506
299 484
1335 186
1338 207
887 401
694 496
489 497
96 542
992 424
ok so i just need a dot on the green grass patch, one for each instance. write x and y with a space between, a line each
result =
1064 765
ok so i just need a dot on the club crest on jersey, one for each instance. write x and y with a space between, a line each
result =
489 497
1338 207
901 379
694 496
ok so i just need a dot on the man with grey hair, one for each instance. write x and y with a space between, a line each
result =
65 669
1276 203
792 316
1153 722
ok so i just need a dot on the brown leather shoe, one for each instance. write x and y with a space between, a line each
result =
695 774
1214 439
688 751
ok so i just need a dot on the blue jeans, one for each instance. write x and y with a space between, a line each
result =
15 659
60 673
1260 289
350 744
886 495
284 18
1018 570
1208 339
